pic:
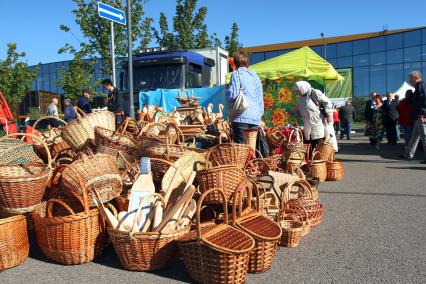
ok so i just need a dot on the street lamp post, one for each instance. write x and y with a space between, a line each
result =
325 58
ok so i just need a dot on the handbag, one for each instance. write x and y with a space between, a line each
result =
262 145
239 105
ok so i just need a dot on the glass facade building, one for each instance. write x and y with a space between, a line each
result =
379 61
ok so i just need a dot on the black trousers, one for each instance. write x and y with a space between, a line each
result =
390 126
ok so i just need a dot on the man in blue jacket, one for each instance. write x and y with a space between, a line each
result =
83 102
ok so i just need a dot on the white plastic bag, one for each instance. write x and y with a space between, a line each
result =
329 131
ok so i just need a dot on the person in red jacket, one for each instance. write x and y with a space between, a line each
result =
336 119
404 108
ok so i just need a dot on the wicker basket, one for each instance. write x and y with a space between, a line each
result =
159 131
313 208
291 222
52 138
72 239
227 178
224 154
335 170
16 152
295 145
295 161
250 137
216 253
326 149
99 170
82 129
317 167
265 232
14 245
145 251
119 145
275 138
22 186
256 168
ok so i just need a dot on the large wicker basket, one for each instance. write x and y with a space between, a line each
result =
82 129
326 149
22 186
100 171
265 232
75 238
14 245
16 152
216 253
227 178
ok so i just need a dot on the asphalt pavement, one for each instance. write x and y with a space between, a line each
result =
374 230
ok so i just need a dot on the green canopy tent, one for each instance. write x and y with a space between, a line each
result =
278 76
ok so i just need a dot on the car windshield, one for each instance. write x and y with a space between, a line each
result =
146 78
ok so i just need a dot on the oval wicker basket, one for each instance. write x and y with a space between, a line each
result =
82 129
100 171
14 245
82 235
317 167
22 186
335 170
215 253
325 147
16 152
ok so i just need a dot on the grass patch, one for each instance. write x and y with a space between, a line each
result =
358 125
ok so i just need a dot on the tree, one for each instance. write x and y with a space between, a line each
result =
96 31
77 77
15 77
189 29
231 41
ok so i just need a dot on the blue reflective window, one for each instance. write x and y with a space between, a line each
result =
360 46
331 51
378 79
318 50
377 44
378 58
394 76
412 54
343 62
394 41
412 38
408 67
270 54
52 78
257 57
344 49
424 68
333 62
361 81
424 53
45 68
285 51
394 56
423 36
361 60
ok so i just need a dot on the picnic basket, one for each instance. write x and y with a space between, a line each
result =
216 253
22 186
100 171
265 232
73 237
145 251
14 245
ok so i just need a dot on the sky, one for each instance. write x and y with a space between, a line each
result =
34 25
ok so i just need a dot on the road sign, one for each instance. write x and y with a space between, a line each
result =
110 13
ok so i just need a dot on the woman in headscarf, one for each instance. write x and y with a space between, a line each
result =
316 110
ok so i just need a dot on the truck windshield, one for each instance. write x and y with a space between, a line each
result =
147 78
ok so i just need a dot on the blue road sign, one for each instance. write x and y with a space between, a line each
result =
110 13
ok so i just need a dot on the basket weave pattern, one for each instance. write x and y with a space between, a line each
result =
14 245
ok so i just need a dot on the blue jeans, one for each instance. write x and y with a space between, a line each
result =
346 127
238 130
407 133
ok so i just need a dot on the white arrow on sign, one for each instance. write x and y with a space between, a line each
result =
120 16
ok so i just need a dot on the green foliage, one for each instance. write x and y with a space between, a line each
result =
231 42
78 77
34 113
359 104
96 30
15 77
189 29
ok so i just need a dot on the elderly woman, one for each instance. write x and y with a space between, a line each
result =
315 109
248 81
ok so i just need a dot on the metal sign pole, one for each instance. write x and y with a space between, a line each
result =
112 53
129 35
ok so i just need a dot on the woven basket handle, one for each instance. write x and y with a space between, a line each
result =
238 199
50 204
79 112
85 199
47 117
49 156
305 218
211 150
302 184
293 154
314 155
200 202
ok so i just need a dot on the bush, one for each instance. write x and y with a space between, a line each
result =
34 113
359 105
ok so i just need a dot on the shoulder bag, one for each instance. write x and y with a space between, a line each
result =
239 105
